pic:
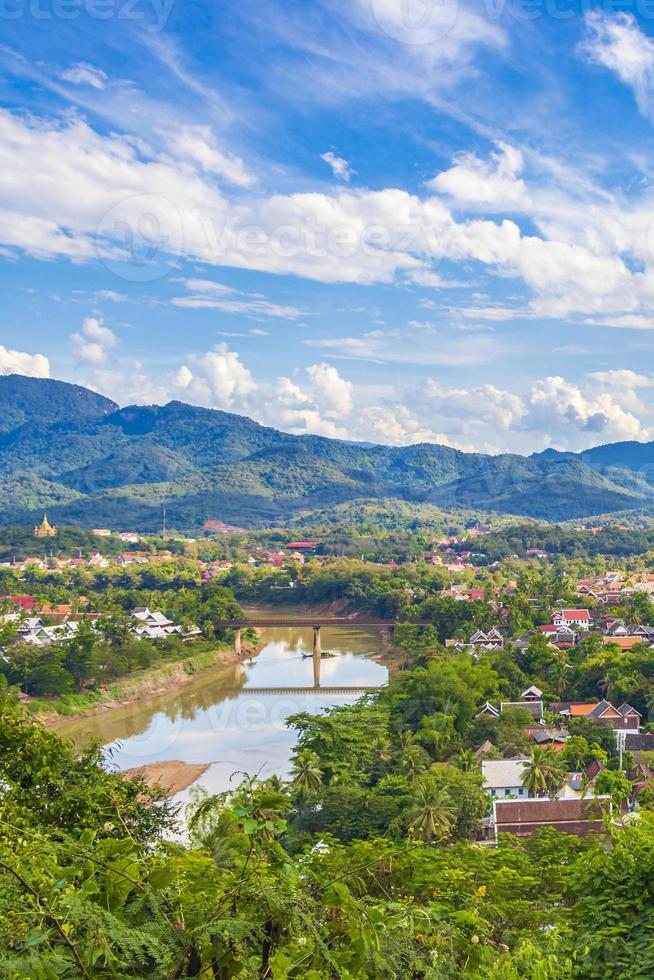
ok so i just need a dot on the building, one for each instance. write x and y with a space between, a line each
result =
492 640
531 701
572 617
622 719
45 529
503 777
522 817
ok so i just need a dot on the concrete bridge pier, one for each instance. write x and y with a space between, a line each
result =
316 641
237 641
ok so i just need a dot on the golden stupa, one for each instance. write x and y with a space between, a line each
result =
44 529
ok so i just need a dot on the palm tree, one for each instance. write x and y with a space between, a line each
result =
432 812
413 762
306 770
465 760
543 774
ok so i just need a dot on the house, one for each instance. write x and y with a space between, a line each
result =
150 618
623 719
576 816
549 738
102 532
131 537
492 640
638 744
302 545
531 704
156 626
488 709
503 777
532 693
559 636
572 617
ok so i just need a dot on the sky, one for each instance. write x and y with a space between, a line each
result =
396 221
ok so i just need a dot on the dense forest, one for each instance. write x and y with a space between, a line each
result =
90 463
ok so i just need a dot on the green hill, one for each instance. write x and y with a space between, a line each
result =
74 452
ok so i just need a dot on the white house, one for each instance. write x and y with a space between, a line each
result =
503 777
572 617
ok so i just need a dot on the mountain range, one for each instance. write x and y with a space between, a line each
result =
77 454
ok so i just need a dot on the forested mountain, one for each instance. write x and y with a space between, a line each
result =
77 454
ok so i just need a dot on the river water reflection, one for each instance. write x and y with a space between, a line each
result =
215 720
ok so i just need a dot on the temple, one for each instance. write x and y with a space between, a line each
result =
44 529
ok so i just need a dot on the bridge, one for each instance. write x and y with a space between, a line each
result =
310 622
301 691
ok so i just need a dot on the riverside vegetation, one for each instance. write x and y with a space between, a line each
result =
363 864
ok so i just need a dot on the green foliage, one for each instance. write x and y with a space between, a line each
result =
91 464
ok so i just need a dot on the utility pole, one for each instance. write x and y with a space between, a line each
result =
164 521
621 741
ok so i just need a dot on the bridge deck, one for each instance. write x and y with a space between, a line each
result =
300 691
308 623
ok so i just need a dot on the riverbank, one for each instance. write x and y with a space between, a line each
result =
149 684
172 776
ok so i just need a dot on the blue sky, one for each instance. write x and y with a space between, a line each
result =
390 220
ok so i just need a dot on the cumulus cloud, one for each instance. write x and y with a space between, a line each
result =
93 343
340 167
61 184
18 362
215 379
331 392
472 181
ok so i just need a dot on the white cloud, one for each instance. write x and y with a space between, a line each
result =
93 343
340 167
331 393
616 42
215 379
395 425
496 183
623 378
196 143
209 295
82 73
111 295
18 362
61 183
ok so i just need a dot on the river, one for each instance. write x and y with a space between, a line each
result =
233 718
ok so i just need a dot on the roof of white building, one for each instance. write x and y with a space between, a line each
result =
502 773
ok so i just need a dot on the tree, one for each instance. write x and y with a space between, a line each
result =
578 754
543 774
431 813
613 783
306 770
